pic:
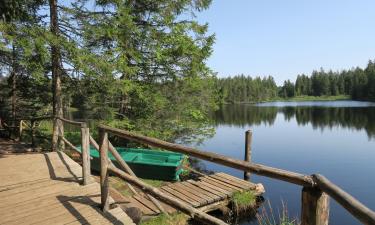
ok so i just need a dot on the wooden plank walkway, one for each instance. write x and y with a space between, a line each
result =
205 193
43 188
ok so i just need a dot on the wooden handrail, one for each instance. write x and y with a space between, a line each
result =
355 207
72 122
259 169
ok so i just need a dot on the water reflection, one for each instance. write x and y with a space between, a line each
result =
358 117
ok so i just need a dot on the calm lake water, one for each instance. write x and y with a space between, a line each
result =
333 138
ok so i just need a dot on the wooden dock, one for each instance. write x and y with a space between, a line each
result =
44 188
205 193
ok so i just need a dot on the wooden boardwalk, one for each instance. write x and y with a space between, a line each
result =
205 193
43 188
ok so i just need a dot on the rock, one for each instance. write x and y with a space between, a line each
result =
135 214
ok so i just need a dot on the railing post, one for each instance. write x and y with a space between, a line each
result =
315 207
32 133
85 139
55 134
248 140
104 189
20 131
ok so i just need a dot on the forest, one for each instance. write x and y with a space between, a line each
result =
137 65
357 83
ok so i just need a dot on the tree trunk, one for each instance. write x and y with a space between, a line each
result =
14 85
56 79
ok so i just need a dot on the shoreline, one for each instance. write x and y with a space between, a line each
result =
299 99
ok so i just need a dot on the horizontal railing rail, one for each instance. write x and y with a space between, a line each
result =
259 169
315 203
72 122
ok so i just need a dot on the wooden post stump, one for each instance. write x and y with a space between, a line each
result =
315 207
248 140
104 161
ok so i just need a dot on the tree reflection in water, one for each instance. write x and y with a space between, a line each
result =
320 117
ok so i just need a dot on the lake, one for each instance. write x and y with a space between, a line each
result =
333 138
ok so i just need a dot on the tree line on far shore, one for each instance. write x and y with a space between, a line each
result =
357 83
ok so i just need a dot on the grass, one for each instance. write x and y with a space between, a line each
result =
317 98
172 219
301 98
244 199
120 185
268 217
154 183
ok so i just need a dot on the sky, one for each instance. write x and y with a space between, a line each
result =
289 37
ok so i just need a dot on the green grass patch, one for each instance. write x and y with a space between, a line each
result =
172 219
244 199
154 183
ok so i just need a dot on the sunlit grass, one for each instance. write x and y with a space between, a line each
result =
244 199
267 216
172 219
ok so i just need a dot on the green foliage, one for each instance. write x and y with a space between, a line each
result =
246 89
287 90
133 65
357 83
244 199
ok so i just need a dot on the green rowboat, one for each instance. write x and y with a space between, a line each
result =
146 163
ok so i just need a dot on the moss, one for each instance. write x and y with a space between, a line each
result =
120 186
244 199
173 219
154 183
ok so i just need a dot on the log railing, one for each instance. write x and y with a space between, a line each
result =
315 192
85 147
30 124
106 167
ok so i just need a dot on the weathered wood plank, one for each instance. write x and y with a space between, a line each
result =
40 205
184 192
216 189
220 184
180 196
43 189
198 192
230 182
217 193
246 184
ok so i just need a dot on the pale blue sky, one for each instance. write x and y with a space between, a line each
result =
284 38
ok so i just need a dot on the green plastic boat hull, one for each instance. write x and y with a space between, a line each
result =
145 163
